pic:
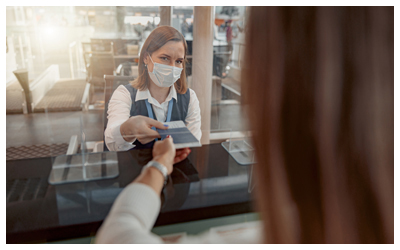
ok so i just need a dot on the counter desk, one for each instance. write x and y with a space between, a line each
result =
208 184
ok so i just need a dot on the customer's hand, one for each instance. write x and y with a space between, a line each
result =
164 153
139 127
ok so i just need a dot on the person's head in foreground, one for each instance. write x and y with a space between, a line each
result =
319 89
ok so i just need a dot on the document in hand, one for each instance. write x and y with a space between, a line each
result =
181 135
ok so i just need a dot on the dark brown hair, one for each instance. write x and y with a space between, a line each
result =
157 38
319 91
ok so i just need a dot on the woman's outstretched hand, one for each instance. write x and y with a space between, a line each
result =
139 127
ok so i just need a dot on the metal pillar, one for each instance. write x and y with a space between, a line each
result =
202 64
165 15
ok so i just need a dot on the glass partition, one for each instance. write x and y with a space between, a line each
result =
84 159
182 20
66 53
228 48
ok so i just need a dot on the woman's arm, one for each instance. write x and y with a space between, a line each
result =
132 216
119 109
193 118
122 130
135 210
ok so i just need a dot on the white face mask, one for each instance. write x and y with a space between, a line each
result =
164 75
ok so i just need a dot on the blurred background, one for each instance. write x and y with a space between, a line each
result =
61 54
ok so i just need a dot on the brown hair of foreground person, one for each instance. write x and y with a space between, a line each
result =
158 38
318 85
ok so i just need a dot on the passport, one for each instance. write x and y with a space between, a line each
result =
181 135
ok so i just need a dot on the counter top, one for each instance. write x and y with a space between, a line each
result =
208 184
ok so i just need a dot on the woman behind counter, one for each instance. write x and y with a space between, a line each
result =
159 94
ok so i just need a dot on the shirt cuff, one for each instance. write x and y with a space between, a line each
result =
119 140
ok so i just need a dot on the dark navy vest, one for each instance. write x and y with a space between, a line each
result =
179 110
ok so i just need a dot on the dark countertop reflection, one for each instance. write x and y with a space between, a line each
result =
208 184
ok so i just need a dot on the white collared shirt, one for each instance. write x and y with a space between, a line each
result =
119 109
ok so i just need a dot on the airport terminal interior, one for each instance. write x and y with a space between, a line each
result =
62 66
68 50
95 93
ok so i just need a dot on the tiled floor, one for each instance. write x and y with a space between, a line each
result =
65 95
36 151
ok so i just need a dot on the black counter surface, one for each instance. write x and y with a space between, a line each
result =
208 184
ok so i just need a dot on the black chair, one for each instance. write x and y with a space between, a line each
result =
111 84
99 61
125 69
101 64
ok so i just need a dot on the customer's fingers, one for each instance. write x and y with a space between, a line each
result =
182 151
181 154
180 158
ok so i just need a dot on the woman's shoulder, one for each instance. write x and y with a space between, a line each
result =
189 93
127 88
121 89
192 93
121 92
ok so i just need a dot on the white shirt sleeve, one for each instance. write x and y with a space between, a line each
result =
132 216
119 109
134 213
193 118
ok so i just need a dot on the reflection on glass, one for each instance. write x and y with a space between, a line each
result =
85 202
176 190
228 47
